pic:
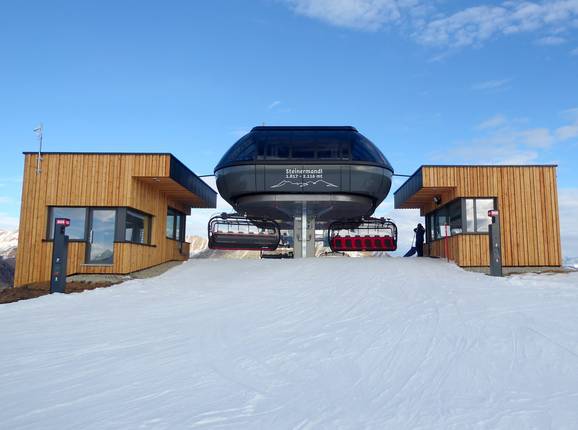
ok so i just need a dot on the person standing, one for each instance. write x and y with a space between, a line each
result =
419 236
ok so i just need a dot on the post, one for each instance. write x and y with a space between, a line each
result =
303 234
304 230
59 256
446 246
495 244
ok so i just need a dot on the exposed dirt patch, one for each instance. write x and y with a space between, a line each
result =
36 290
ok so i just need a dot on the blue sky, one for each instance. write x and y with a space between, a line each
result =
466 82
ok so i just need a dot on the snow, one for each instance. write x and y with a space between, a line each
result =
327 343
8 243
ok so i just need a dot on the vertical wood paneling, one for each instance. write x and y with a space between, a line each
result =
528 203
105 180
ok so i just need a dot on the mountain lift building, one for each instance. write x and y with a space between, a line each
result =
127 211
460 197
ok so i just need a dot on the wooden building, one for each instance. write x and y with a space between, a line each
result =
460 197
127 211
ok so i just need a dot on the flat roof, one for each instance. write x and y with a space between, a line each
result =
179 172
304 127
470 165
414 183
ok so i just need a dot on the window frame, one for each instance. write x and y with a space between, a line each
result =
431 217
50 222
120 236
182 224
119 227
475 217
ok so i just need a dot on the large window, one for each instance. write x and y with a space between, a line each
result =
478 215
460 216
175 225
137 227
77 216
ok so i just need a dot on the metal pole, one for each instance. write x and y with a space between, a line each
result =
304 230
446 243
39 131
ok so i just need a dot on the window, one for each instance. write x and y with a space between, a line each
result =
482 218
77 216
470 220
455 216
277 151
345 151
328 152
477 220
363 150
137 227
175 225
305 151
462 216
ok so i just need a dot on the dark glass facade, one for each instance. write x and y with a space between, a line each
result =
303 144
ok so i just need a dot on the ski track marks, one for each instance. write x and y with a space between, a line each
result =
334 343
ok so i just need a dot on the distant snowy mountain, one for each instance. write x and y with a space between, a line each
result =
8 243
198 244
199 249
571 262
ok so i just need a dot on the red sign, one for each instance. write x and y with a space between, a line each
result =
493 213
63 221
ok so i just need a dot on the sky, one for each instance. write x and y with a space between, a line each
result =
437 82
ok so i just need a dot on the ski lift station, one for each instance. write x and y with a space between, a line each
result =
127 212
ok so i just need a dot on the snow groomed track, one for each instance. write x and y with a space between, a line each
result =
336 343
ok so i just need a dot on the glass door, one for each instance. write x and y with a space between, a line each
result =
100 248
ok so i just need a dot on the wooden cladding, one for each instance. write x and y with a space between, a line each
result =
466 250
96 180
527 199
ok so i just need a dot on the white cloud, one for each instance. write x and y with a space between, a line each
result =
536 138
469 26
505 141
574 52
358 14
274 104
492 122
491 85
478 24
550 41
567 132
568 204
570 114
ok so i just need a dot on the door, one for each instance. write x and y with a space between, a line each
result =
100 247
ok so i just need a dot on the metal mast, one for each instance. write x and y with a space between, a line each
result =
39 132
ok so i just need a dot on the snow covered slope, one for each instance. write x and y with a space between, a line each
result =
335 343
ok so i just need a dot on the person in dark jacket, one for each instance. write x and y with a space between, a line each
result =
419 234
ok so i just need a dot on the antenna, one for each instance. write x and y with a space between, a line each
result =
39 132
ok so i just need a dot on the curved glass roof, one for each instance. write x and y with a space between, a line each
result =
264 145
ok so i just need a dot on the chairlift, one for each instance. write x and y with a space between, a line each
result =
370 234
234 232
